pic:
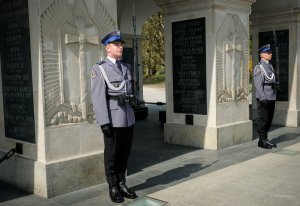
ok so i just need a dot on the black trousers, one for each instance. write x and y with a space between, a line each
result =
265 113
117 150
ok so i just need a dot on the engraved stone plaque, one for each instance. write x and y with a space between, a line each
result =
16 70
189 66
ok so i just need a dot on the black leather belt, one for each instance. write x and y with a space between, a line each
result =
122 99
125 97
112 97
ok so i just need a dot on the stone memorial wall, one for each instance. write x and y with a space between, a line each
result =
16 71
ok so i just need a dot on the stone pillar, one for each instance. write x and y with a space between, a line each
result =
64 150
278 24
207 72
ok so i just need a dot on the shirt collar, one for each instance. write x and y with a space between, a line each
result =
112 59
267 62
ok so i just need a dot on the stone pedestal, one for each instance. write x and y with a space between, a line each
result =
278 24
64 150
207 81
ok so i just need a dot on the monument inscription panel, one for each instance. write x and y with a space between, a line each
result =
279 41
16 70
189 66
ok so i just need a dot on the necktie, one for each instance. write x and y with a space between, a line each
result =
119 65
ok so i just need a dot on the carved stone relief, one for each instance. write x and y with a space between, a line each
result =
70 47
232 60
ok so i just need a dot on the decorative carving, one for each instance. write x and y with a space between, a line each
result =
70 46
82 39
232 60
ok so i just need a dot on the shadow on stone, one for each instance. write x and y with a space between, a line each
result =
9 192
148 147
286 137
171 176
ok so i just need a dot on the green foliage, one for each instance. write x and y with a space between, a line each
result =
153 54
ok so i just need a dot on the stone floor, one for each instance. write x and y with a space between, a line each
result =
185 176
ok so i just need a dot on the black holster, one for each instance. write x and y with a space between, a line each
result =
132 100
277 86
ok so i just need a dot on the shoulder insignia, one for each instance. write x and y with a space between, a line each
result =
257 69
101 62
93 74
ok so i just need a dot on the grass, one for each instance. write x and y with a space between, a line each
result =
155 79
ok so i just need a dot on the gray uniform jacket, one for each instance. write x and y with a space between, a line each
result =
264 81
105 104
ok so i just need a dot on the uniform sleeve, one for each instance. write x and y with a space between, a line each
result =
98 95
258 83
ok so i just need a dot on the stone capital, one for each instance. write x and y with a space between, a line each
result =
179 6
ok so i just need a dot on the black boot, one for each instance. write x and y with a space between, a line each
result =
263 142
124 190
114 192
273 145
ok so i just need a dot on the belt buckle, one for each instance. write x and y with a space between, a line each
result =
126 98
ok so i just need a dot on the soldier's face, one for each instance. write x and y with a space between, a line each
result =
115 50
266 56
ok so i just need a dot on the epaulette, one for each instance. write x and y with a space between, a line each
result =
101 62
257 69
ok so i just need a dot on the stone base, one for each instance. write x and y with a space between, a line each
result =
208 137
53 178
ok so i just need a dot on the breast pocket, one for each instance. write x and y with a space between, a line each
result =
115 81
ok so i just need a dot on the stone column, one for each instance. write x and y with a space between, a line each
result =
207 72
64 150
278 24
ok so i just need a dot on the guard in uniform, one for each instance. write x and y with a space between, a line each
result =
265 83
112 98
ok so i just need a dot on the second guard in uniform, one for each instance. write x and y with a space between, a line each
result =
265 83
112 98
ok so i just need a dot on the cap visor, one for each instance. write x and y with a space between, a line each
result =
118 40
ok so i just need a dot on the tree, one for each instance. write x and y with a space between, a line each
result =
153 54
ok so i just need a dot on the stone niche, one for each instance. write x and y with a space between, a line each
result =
276 24
232 60
70 47
68 151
